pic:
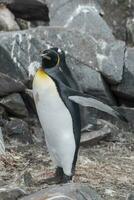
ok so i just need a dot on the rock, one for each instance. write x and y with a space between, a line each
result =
23 24
2 112
116 13
28 180
128 113
3 115
18 129
14 105
15 47
29 102
11 193
76 15
106 129
111 63
2 182
36 130
37 134
130 31
90 81
9 85
130 196
125 88
7 20
66 191
33 41
71 41
18 50
2 146
29 10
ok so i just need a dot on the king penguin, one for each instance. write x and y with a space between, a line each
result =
58 111
59 117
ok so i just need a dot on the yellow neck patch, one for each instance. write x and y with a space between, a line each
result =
41 74
40 77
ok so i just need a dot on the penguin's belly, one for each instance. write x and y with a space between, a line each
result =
56 121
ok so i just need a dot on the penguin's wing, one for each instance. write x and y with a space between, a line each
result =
87 100
90 101
94 103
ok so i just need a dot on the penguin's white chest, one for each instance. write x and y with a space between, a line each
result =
56 121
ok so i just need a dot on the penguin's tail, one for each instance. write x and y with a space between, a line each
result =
94 103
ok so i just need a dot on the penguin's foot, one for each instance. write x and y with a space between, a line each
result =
59 173
66 179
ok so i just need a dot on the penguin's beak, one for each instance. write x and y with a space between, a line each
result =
44 55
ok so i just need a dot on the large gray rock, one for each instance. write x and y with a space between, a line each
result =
11 193
73 191
116 13
111 62
20 49
128 112
90 81
105 130
81 15
130 196
16 47
18 129
28 10
9 85
14 105
82 47
126 88
7 20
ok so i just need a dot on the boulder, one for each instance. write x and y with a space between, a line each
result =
76 15
29 102
29 10
14 105
18 129
69 40
97 55
18 50
3 115
91 137
90 81
116 13
130 196
11 193
128 112
17 46
73 191
7 20
126 88
9 85
111 62
2 146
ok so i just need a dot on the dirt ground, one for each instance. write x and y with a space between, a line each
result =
108 167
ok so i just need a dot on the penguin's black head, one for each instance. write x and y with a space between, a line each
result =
52 57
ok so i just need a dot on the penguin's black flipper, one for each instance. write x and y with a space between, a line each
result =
86 100
94 103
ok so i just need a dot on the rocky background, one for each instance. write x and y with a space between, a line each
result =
98 37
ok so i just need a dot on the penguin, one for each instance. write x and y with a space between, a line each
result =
57 106
59 117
